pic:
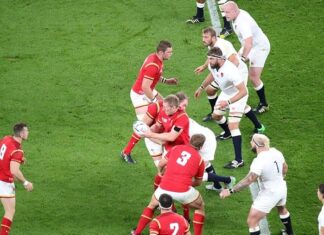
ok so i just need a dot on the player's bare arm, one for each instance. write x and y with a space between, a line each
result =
146 87
16 172
208 80
242 92
248 44
234 60
169 81
168 136
284 169
201 68
249 179
196 182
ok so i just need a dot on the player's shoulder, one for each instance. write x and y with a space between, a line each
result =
152 61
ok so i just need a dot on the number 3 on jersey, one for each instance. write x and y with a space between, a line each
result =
183 159
2 151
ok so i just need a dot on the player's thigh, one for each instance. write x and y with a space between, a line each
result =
258 57
154 149
183 197
266 200
140 103
212 89
7 190
209 148
218 111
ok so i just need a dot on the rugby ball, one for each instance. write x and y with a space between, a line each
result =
140 127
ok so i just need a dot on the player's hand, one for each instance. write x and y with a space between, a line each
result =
200 69
198 92
224 193
223 104
171 81
29 186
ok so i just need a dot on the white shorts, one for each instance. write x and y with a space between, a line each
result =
236 107
7 189
208 150
140 100
258 56
153 148
184 198
266 200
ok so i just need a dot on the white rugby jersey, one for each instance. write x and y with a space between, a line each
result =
321 220
268 165
227 77
228 49
245 26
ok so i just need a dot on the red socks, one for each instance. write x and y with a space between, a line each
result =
131 143
198 223
5 226
146 218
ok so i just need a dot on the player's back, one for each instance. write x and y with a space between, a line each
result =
184 163
270 164
169 223
7 146
246 20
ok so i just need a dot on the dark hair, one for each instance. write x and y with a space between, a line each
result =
197 141
181 96
210 31
165 201
321 189
18 128
216 52
163 46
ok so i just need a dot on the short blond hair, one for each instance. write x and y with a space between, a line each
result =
172 100
261 140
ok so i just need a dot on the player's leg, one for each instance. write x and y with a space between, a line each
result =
199 214
253 220
258 127
9 205
255 77
146 216
227 28
285 219
199 17
258 57
211 92
234 122
126 152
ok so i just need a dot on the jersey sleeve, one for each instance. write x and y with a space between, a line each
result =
229 49
152 110
245 30
201 169
236 77
256 166
151 71
182 121
154 227
17 156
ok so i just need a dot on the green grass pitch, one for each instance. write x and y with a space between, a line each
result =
66 68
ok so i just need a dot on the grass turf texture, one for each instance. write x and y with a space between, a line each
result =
67 67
